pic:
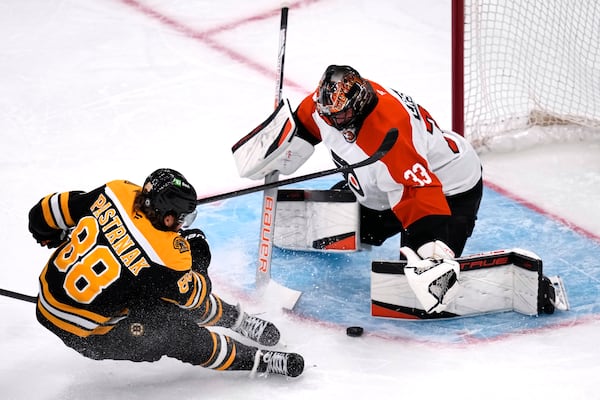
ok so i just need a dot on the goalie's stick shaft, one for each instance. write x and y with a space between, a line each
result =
384 147
266 234
281 55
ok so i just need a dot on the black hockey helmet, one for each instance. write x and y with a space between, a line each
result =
343 97
167 192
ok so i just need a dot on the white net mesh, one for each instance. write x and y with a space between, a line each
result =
531 71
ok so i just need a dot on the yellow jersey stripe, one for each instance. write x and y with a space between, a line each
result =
65 326
46 210
231 358
213 336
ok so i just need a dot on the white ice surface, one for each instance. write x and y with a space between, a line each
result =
95 90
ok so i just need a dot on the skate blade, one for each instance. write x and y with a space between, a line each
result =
561 301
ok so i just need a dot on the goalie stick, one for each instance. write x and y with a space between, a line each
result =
264 284
384 147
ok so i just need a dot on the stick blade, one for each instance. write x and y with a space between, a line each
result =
281 296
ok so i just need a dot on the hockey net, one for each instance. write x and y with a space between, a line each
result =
530 72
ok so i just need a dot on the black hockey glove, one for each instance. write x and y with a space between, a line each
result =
199 248
42 233
51 239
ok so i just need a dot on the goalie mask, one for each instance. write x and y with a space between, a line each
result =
343 97
167 192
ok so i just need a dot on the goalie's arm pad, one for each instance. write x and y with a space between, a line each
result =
272 146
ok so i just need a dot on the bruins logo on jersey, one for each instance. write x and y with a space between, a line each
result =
181 244
136 329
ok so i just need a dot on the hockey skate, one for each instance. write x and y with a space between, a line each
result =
275 362
552 295
256 329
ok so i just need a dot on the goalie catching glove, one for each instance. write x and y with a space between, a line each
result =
432 274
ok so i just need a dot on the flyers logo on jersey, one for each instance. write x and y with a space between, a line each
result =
354 183
349 176
350 135
181 244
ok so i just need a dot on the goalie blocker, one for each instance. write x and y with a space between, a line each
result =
272 146
497 281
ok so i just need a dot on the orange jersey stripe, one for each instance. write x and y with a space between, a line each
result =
305 112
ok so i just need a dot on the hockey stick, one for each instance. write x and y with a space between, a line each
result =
289 296
264 283
18 296
384 147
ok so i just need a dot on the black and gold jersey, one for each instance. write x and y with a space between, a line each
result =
113 260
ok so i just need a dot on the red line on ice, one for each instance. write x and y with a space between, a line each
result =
542 211
206 36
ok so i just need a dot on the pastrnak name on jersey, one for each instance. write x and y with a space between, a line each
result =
117 235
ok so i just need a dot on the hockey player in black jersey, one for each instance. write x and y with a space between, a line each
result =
127 283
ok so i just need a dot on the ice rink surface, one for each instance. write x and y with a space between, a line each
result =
113 89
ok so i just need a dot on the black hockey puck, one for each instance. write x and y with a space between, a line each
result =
354 331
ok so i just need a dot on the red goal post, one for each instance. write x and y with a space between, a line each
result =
525 71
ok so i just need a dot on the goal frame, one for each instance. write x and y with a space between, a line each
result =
458 66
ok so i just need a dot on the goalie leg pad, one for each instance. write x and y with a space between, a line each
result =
317 220
496 281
